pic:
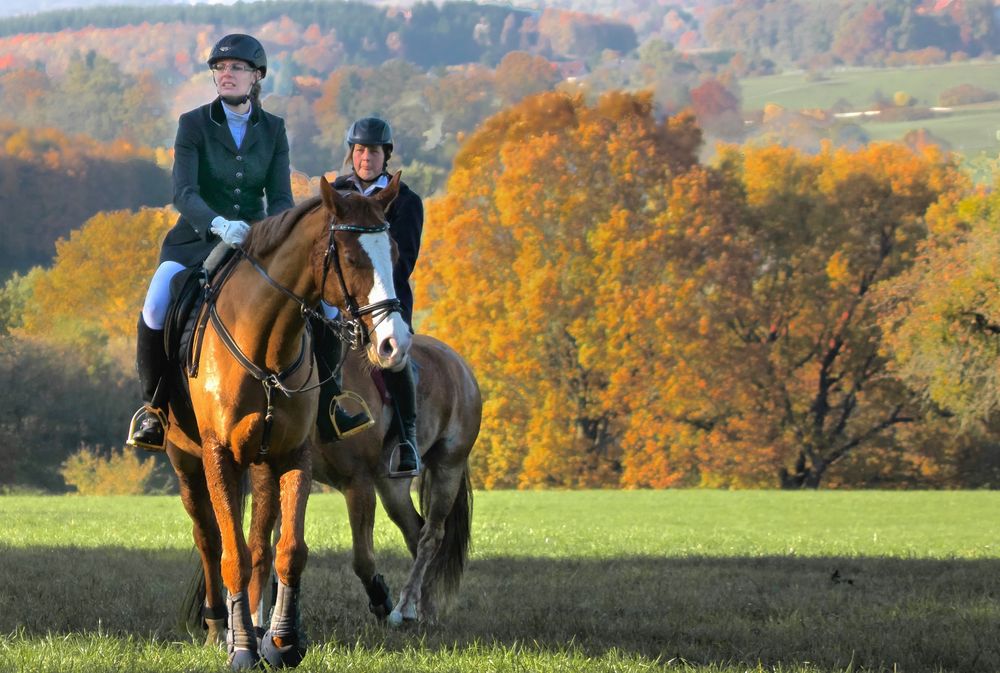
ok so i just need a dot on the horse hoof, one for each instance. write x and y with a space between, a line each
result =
215 635
280 657
395 619
243 660
382 610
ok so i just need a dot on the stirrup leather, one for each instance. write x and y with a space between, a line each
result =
354 397
134 426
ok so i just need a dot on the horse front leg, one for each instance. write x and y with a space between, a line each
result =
222 477
284 642
262 521
360 496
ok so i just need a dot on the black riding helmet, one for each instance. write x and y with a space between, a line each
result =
370 131
242 47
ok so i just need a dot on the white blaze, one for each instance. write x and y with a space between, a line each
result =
392 336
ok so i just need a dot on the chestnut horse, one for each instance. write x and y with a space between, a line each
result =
255 401
449 412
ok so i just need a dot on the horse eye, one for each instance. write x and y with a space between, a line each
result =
356 259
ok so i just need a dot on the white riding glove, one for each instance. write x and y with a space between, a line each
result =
232 232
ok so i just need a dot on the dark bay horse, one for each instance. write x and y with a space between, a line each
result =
255 402
449 412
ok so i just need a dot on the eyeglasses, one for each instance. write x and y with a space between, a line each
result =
235 67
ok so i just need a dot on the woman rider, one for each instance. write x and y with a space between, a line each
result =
369 144
229 156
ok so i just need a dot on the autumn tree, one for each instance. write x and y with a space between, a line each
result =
50 183
520 74
778 369
510 265
638 319
92 294
942 316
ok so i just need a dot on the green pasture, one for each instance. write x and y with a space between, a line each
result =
558 581
858 86
970 130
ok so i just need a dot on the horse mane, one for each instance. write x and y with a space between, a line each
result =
266 234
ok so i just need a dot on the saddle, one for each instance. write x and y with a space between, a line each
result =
188 291
187 296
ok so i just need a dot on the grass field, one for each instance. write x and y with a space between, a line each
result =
704 581
970 130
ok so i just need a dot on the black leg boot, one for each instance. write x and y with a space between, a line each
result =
148 429
404 396
332 421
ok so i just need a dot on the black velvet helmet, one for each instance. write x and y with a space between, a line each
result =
370 131
242 47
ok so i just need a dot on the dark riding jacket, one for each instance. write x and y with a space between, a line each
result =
406 224
213 177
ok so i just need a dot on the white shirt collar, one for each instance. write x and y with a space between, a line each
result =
381 183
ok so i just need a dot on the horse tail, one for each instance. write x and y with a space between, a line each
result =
445 570
194 597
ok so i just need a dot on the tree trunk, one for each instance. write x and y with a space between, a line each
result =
804 476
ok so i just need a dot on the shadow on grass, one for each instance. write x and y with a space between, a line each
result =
834 612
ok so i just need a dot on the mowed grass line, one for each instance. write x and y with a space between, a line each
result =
559 581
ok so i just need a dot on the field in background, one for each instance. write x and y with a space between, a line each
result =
558 581
969 129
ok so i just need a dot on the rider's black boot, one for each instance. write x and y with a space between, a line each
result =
332 421
404 395
148 429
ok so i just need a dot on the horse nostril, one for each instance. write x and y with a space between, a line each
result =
388 347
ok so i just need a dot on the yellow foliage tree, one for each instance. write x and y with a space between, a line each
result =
94 290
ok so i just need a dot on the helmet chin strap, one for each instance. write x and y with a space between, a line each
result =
235 101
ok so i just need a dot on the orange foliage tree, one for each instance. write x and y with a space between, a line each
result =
638 319
778 369
514 262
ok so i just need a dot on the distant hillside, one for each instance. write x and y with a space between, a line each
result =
23 7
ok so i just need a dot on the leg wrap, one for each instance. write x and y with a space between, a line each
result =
241 634
285 615
291 646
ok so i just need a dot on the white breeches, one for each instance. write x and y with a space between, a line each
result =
154 309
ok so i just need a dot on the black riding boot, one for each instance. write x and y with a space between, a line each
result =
332 421
404 395
148 429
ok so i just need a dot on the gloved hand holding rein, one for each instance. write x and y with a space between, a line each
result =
232 232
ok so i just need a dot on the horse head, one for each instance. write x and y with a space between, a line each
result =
354 269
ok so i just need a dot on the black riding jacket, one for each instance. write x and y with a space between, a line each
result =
213 177
406 224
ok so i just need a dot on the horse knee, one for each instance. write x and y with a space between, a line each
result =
236 569
290 561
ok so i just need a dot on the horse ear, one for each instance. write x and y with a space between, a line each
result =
332 199
391 191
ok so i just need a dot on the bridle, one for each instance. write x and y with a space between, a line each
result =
361 337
